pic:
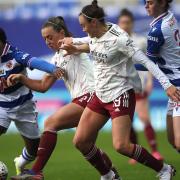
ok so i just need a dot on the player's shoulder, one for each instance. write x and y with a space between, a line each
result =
169 23
115 30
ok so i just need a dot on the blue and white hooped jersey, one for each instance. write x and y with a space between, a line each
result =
164 46
13 61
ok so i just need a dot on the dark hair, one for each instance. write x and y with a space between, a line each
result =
58 24
126 12
3 37
93 11
167 3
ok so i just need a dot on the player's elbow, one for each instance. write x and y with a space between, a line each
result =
43 90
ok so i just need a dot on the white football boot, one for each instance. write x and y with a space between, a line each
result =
167 172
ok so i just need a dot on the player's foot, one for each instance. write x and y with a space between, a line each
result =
29 175
132 161
116 175
157 155
112 175
167 172
19 169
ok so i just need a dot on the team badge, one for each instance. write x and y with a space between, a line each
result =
9 64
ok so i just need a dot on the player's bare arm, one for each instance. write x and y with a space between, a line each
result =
36 85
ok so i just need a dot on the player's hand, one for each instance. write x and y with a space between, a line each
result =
69 49
66 40
58 73
173 93
13 79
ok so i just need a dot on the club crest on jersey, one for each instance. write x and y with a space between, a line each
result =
9 65
106 46
172 21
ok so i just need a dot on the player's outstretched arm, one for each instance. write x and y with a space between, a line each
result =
74 49
37 85
171 90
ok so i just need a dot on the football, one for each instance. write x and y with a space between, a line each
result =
3 171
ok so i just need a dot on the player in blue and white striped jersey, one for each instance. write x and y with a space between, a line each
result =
164 49
16 102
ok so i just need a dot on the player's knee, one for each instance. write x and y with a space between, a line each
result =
121 147
49 125
177 144
79 144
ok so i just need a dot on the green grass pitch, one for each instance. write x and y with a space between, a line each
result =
66 163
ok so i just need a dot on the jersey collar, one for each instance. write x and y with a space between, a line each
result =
158 18
6 49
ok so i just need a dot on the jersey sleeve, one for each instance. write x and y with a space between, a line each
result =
83 40
33 63
22 58
154 43
126 45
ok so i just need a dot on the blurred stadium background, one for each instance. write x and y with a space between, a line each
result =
22 20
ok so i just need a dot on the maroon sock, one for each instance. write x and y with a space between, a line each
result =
99 160
151 137
144 157
133 136
46 147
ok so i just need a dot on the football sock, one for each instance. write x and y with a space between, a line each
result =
151 137
99 160
25 158
46 147
133 136
144 157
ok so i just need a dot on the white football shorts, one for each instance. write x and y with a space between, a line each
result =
173 108
24 117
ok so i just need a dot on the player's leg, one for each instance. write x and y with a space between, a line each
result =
25 120
66 117
142 109
31 136
170 130
134 140
121 125
85 137
176 126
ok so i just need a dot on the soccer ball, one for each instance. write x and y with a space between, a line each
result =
3 171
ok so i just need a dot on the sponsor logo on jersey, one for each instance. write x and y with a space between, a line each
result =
98 56
151 38
25 56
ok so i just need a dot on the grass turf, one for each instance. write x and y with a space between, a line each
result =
66 163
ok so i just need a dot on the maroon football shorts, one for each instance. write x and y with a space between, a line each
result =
122 105
83 100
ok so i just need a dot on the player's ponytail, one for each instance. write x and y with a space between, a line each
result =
3 37
58 24
93 11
